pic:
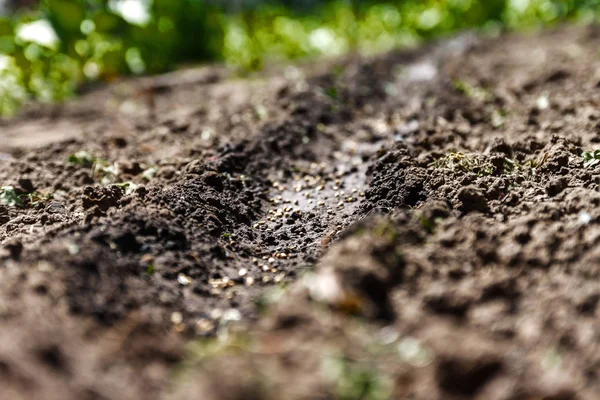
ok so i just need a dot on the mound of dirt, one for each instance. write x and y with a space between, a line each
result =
421 224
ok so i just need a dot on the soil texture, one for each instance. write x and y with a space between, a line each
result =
419 225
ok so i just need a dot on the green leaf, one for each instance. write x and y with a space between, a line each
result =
66 15
128 187
9 197
590 158
149 173
82 158
108 22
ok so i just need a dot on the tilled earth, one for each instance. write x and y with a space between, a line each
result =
419 225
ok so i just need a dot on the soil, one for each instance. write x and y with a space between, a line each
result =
417 225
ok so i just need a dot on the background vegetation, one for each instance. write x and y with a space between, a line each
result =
50 48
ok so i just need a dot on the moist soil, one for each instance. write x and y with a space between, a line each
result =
417 225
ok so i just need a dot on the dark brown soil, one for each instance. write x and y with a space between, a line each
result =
419 225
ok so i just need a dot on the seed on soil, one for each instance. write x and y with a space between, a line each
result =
184 279
271 260
176 318
243 272
44 266
584 218
72 248
542 103
204 326
216 314
412 351
249 281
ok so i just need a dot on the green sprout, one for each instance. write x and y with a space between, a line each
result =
36 197
9 197
149 173
150 270
104 171
498 118
354 380
127 187
530 167
82 158
332 92
474 92
591 158
465 163
429 224
107 173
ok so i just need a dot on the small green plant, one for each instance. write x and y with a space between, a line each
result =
127 187
9 197
465 162
332 92
150 270
149 173
528 168
591 158
82 158
356 381
474 92
429 224
498 117
36 197
107 173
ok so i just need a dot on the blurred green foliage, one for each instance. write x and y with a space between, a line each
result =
48 52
